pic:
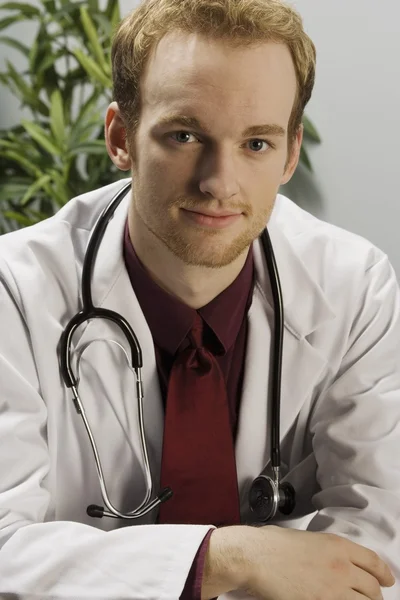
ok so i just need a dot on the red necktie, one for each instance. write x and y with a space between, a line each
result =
198 459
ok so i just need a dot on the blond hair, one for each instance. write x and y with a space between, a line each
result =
237 22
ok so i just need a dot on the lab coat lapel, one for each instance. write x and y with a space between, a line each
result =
305 309
112 289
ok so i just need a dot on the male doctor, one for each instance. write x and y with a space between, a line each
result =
209 97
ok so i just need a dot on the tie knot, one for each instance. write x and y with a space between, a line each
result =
196 333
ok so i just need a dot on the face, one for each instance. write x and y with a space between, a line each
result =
212 139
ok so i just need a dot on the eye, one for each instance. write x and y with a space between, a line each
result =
180 136
257 144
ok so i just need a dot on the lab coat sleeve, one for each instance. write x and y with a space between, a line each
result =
356 428
66 560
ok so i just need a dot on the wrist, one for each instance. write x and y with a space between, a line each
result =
227 564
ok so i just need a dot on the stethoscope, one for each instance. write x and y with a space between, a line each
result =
267 494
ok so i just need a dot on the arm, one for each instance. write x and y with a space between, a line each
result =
66 559
287 564
356 428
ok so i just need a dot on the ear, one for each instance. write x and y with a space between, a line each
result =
115 135
293 159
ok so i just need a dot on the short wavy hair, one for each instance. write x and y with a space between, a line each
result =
236 22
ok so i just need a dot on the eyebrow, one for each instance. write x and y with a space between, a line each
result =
193 123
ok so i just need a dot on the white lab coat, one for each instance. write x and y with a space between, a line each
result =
340 421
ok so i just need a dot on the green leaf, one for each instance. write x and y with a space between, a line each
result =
310 131
41 137
94 147
93 5
26 93
27 165
48 60
51 81
6 144
89 109
89 120
11 190
19 81
85 131
60 192
95 45
26 9
35 53
103 23
113 13
37 185
68 21
4 23
49 5
14 44
110 7
57 122
91 68
75 76
20 218
25 148
305 159
36 215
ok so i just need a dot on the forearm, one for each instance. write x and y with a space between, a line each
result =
227 563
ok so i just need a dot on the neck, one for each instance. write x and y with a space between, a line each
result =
195 286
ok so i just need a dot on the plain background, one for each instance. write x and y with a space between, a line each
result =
355 107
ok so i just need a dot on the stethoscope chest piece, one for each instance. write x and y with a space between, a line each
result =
267 497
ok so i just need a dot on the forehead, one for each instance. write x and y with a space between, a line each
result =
191 71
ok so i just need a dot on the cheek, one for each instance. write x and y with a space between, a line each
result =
264 183
278 160
165 166
267 175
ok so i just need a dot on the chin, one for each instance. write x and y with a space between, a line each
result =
208 254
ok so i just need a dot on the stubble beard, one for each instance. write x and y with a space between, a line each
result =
200 247
206 248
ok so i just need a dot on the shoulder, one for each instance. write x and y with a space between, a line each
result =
51 252
78 215
321 245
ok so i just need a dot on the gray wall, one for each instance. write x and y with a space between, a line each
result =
356 109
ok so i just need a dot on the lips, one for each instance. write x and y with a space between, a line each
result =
216 215
208 221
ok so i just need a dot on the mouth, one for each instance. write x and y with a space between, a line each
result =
212 220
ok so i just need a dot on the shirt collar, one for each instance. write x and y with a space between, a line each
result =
170 320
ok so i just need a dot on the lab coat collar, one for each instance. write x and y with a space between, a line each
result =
306 307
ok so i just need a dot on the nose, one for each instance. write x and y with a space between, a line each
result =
218 175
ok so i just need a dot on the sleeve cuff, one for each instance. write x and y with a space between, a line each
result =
192 589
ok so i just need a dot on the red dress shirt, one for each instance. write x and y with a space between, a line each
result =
170 320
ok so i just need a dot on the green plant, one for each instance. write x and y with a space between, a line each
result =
311 135
59 152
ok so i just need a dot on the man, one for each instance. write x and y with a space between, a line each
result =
209 98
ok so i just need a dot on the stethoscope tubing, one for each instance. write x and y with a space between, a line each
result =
89 311
277 350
